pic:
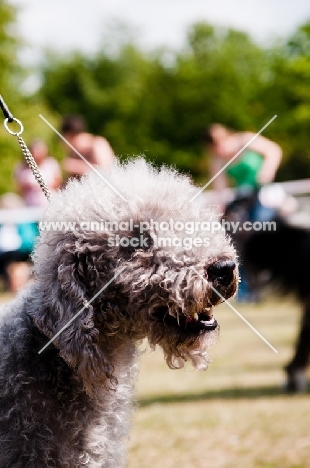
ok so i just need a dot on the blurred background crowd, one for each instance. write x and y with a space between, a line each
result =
128 100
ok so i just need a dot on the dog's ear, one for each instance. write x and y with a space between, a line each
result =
66 310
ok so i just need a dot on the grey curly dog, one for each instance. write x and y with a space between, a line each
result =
107 273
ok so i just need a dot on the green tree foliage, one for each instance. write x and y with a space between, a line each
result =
24 108
9 71
8 42
291 86
160 103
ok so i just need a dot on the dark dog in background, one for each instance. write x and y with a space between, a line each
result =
280 257
285 255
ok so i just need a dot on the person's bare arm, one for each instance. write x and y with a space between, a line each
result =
102 152
270 151
75 167
96 150
83 144
219 183
57 175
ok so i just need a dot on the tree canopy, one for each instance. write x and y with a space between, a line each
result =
158 103
23 107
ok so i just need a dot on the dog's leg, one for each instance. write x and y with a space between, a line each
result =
296 369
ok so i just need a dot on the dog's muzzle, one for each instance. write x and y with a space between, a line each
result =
203 321
221 276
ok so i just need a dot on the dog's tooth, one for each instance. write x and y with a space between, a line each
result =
196 317
209 322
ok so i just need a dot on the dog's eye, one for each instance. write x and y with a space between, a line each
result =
136 242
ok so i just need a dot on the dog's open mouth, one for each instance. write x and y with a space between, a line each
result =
202 321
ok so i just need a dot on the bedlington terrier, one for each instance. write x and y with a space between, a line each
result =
108 272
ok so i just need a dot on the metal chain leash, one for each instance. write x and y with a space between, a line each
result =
25 150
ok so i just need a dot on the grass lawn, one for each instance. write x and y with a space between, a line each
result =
235 414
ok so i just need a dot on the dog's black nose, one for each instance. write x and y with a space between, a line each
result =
222 272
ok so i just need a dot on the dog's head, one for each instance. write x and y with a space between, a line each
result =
152 266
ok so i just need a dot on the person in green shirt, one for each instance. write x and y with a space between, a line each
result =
247 171
255 166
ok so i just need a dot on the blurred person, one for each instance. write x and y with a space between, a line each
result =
17 239
27 185
16 243
95 149
252 169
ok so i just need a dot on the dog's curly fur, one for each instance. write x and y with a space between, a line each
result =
69 406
